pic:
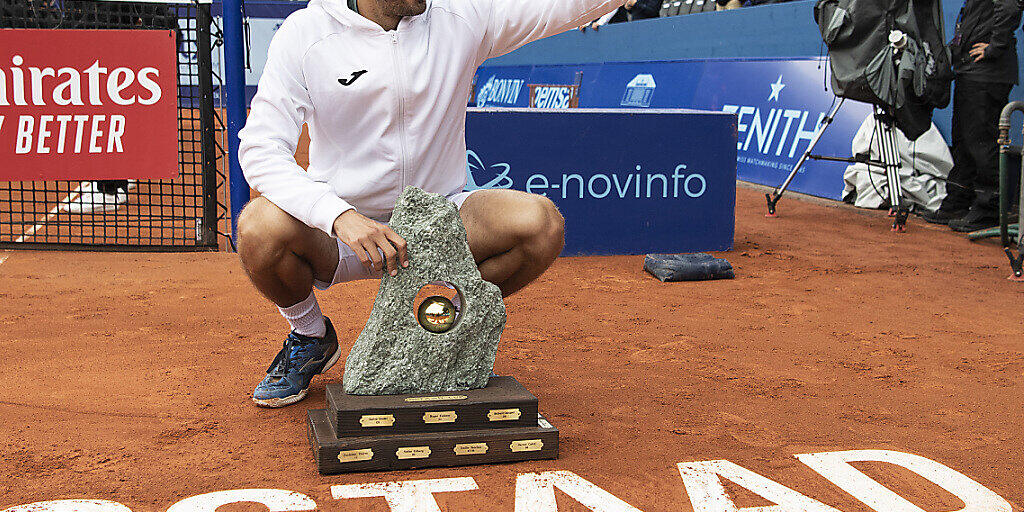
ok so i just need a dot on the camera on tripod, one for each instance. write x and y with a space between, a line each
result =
891 54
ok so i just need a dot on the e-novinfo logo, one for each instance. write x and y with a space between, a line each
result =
637 183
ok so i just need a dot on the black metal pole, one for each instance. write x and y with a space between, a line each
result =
1016 260
207 127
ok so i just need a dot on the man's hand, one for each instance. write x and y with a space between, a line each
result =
369 238
978 51
629 4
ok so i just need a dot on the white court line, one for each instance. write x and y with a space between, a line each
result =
43 220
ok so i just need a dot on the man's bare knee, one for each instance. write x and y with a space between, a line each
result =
553 234
264 233
541 229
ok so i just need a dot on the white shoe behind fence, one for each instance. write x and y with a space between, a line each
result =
91 200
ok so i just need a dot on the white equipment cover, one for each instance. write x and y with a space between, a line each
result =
926 164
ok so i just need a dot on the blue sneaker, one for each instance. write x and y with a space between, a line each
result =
302 357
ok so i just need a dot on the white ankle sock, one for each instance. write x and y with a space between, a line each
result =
306 318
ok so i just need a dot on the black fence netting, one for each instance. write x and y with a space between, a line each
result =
173 214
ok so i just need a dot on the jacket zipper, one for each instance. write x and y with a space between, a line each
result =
401 105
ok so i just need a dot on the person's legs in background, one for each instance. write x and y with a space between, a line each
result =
960 183
98 196
981 133
112 187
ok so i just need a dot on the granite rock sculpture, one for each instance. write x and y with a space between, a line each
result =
394 354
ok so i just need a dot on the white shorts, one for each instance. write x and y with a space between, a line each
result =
351 269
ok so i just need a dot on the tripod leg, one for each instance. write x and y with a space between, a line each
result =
902 209
895 182
883 156
1016 263
774 197
893 164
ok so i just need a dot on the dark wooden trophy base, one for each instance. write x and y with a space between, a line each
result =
498 423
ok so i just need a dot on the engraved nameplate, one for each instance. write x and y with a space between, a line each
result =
355 455
440 398
440 417
413 452
528 445
471 449
504 414
377 420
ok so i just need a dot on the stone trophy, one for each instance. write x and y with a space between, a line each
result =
418 389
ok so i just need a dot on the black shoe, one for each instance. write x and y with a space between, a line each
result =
975 220
941 216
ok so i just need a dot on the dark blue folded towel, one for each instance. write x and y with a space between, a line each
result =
687 267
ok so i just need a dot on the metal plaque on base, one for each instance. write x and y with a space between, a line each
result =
503 403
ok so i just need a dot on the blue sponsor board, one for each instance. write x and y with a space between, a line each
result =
496 92
779 104
627 181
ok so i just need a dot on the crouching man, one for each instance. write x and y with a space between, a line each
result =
382 86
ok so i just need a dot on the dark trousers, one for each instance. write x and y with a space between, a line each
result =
974 180
111 186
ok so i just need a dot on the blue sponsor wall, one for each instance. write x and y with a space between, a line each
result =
627 181
778 104
774 31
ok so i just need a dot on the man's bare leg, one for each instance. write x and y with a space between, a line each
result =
514 236
281 255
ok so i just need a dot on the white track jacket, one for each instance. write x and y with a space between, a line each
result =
384 109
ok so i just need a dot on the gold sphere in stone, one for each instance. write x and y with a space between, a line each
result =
436 314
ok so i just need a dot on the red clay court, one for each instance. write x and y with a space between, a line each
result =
846 368
128 375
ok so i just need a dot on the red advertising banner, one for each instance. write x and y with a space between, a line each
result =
88 104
